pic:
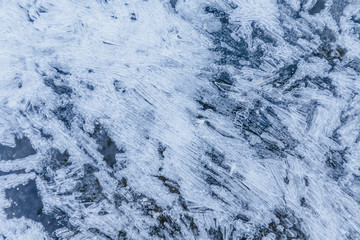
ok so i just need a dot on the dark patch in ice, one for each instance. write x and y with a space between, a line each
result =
12 172
285 226
61 71
261 33
285 74
354 64
216 196
287 9
90 87
223 16
102 213
122 235
119 86
331 53
148 206
217 158
337 9
242 217
171 185
206 106
224 78
22 149
303 202
223 81
166 226
262 120
355 19
232 47
31 108
234 50
286 180
241 113
133 17
58 160
99 233
161 150
107 146
274 100
257 121
26 202
256 56
217 101
31 18
42 9
290 35
173 3
320 83
307 182
139 201
310 112
107 43
211 177
319 5
344 117
58 89
123 182
215 233
336 161
65 114
327 35
189 222
222 133
183 203
324 83
45 135
89 186
352 187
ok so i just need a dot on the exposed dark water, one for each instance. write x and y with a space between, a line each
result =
26 202
23 148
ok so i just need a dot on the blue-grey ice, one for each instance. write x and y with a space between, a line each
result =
180 119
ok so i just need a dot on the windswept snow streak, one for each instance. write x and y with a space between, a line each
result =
180 119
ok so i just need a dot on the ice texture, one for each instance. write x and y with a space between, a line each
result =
180 119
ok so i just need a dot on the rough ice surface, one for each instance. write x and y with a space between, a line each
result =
180 119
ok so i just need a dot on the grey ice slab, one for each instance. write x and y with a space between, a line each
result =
319 5
23 148
26 202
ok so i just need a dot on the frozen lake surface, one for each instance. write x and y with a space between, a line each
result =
180 119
